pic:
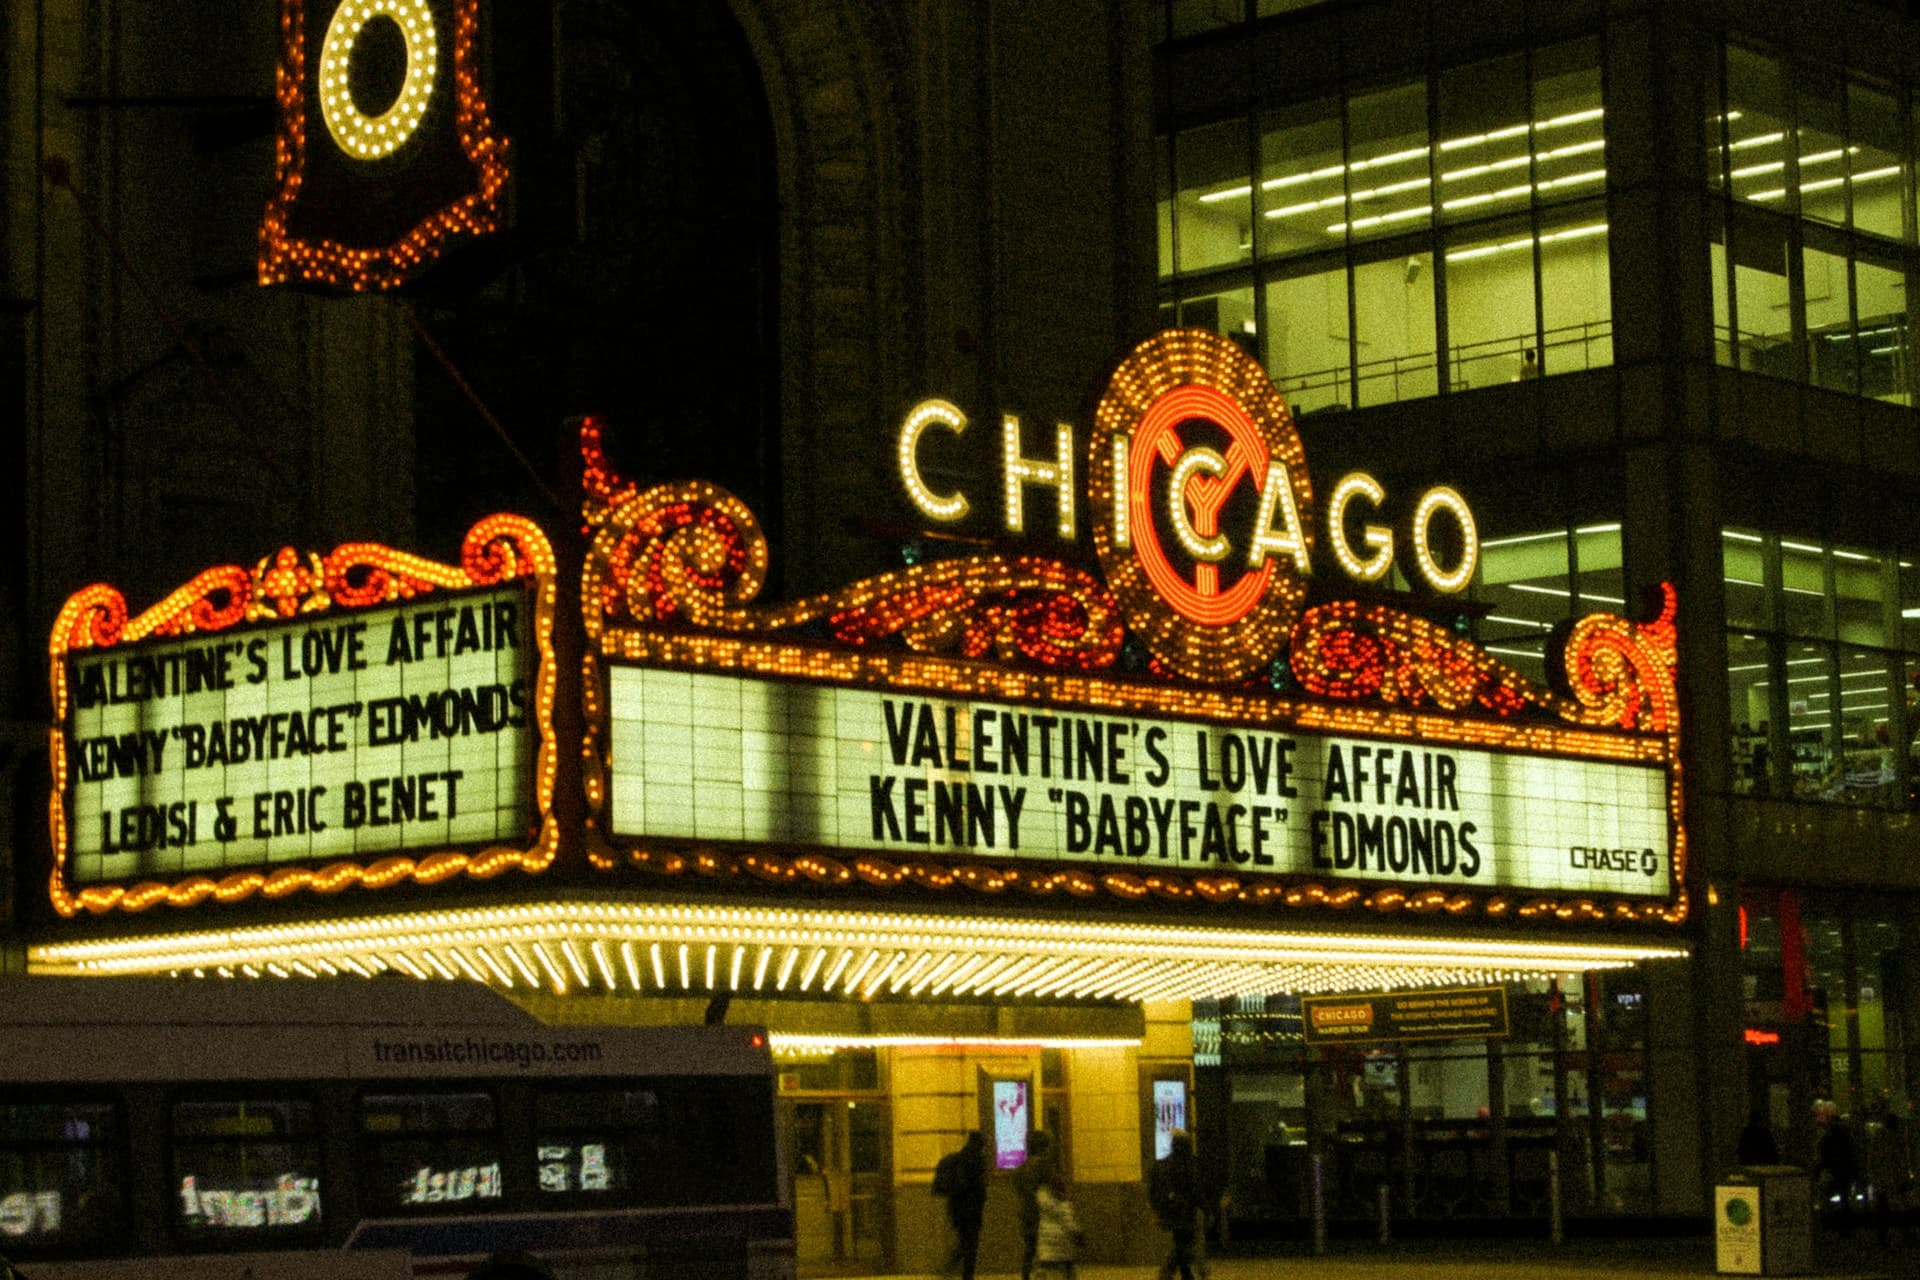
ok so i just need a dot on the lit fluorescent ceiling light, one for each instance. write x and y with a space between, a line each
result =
677 950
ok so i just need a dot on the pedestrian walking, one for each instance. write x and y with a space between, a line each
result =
1057 1244
1175 1199
1042 1164
961 1176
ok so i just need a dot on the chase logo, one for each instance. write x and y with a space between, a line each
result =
1586 858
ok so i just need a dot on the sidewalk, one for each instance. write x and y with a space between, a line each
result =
1652 1259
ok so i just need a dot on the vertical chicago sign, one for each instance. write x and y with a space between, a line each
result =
385 154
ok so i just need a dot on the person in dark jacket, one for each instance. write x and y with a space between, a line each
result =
1173 1191
1043 1162
1756 1142
961 1176
1839 1160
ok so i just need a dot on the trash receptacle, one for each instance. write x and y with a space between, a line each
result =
1763 1222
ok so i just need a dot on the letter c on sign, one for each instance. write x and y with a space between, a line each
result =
929 413
360 135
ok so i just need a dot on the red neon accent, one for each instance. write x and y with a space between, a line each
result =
1743 928
1795 1000
758 1041
1753 1035
1200 601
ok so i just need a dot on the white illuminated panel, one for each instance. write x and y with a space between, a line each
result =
725 758
342 734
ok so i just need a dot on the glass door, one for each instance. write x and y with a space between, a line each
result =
841 1181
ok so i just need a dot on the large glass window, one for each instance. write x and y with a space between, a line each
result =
1490 284
657 1142
1213 206
1758 147
244 1168
1875 165
1303 179
1389 176
1818 641
1881 347
1480 183
1750 680
424 1151
1530 582
60 1176
1307 333
1809 277
1575 285
1393 328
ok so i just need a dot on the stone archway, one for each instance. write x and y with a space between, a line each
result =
834 73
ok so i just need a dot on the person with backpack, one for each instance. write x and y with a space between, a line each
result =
1041 1167
1173 1192
961 1176
1057 1237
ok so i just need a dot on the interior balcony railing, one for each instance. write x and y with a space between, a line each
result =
1567 349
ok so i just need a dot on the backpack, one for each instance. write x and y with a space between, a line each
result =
1171 1201
948 1175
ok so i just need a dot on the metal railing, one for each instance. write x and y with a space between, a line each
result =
1587 345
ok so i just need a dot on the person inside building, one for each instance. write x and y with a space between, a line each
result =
1839 1163
1529 365
961 1176
1889 1179
1756 1141
1172 1191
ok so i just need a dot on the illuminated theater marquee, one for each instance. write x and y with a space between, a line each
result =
307 724
720 758
983 723
350 735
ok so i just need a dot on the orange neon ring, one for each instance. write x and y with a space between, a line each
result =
1247 453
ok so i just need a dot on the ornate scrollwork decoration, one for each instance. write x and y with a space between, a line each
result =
693 554
1352 653
1620 672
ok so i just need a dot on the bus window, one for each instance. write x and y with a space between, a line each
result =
243 1167
59 1176
429 1149
591 1139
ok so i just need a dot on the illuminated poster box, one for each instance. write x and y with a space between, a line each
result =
1465 1013
712 757
307 725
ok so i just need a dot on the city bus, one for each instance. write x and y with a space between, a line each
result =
371 1128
